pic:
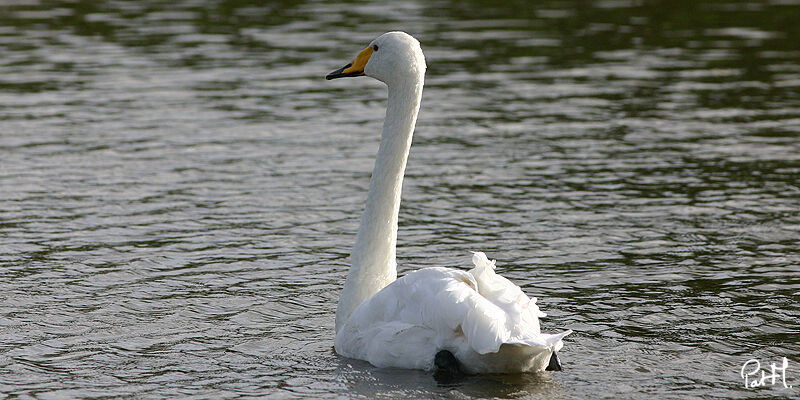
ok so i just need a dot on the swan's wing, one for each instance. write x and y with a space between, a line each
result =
521 312
404 324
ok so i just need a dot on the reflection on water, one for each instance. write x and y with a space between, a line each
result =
365 381
180 189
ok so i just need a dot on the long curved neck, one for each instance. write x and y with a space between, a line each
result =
373 259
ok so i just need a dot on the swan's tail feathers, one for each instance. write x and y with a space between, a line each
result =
552 339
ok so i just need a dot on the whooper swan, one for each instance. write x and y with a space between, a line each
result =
470 322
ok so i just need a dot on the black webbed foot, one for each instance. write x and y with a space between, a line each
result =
447 367
554 364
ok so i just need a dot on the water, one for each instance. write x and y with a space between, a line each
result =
180 189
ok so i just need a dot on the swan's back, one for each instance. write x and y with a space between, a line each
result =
487 322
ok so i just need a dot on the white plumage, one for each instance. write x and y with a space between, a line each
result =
483 319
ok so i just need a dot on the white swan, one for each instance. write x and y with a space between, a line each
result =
482 320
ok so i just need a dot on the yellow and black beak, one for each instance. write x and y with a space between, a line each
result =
355 68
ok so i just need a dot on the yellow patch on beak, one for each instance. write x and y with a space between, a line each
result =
355 68
360 62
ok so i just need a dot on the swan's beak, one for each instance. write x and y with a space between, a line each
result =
355 68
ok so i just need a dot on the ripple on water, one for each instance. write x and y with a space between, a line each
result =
181 190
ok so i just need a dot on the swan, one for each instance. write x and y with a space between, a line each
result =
434 318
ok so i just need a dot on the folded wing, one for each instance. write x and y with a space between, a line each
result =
469 313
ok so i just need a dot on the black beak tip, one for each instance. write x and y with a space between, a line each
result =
334 74
554 364
339 73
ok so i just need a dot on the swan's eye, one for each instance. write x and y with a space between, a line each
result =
375 47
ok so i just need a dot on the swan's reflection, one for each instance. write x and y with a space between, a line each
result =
363 379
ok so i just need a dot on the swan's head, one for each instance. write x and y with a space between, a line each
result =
392 57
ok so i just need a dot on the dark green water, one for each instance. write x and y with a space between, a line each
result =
180 189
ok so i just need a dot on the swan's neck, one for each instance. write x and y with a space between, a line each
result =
373 259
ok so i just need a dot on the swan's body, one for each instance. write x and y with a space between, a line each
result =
484 320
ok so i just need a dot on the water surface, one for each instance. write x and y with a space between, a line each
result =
180 189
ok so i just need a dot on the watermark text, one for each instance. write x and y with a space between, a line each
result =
754 376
